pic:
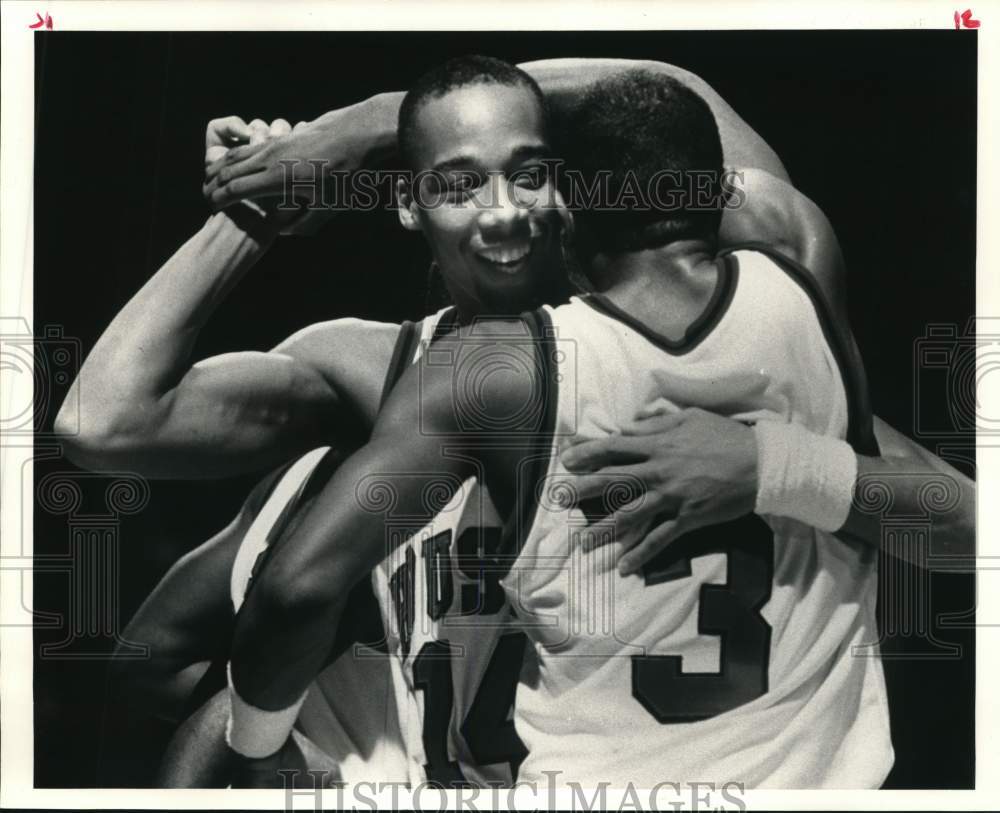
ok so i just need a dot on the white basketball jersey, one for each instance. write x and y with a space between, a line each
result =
746 652
455 656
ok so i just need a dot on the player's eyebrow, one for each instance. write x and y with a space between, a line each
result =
531 151
519 154
455 163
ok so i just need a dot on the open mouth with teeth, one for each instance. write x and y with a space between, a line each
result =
508 257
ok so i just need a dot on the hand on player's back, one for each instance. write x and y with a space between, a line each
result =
697 469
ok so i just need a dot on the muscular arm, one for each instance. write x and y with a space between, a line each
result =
355 136
143 403
783 217
921 484
563 80
342 535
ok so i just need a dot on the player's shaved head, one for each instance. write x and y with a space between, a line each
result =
648 131
451 75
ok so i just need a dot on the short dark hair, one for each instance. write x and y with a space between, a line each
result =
642 129
456 73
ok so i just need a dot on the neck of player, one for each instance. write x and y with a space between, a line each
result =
555 290
666 288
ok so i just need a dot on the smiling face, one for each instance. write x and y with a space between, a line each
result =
483 198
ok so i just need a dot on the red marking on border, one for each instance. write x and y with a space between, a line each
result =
965 20
47 22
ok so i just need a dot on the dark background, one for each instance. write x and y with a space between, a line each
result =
878 127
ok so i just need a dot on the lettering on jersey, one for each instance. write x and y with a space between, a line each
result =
402 588
479 562
437 567
730 611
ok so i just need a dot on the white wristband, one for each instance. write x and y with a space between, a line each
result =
804 476
254 732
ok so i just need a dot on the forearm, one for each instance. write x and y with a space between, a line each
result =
147 347
909 481
563 81
372 123
288 623
820 481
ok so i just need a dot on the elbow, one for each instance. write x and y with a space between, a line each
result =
297 596
90 449
79 440
91 438
67 423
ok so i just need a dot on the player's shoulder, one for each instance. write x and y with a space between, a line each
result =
780 290
489 367
790 224
322 339
350 355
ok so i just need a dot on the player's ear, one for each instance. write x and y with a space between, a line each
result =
406 206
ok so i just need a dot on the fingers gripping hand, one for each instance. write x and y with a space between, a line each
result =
261 131
221 134
250 174
343 140
232 136
696 469
253 168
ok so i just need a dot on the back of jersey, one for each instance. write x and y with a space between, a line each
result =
746 652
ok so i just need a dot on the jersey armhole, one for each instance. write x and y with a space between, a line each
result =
402 354
519 523
860 430
261 493
406 347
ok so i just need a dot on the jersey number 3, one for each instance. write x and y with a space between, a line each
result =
730 611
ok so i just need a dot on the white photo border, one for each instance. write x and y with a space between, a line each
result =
16 300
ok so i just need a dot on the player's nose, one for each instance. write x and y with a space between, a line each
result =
505 215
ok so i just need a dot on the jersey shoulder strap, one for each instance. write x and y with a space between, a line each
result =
402 355
408 343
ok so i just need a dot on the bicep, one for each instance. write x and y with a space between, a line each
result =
352 356
320 386
239 412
